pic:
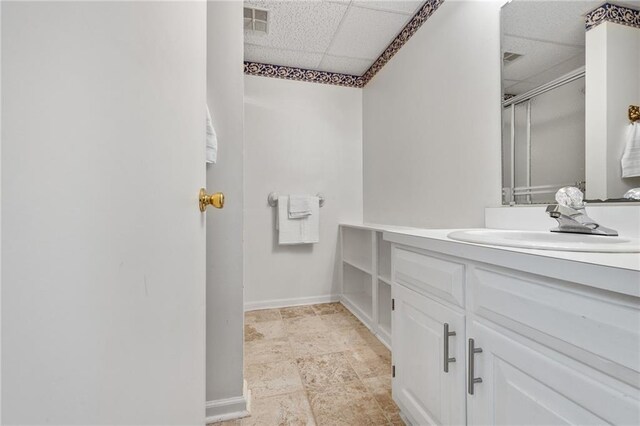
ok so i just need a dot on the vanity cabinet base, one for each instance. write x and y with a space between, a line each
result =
528 349
427 393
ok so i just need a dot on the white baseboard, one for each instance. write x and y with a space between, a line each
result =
282 303
222 410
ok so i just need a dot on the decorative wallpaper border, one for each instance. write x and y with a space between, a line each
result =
301 74
313 76
613 13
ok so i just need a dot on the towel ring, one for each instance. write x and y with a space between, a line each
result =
272 199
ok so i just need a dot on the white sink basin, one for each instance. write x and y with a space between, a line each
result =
548 240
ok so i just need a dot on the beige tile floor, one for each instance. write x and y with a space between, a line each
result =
315 365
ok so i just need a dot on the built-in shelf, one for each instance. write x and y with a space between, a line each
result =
356 248
366 277
356 291
360 305
355 265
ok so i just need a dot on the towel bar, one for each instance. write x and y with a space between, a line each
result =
272 199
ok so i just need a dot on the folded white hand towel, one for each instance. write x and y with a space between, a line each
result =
212 140
297 231
300 206
631 157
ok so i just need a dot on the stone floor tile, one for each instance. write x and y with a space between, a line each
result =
349 338
329 308
267 350
262 315
263 330
290 409
346 404
380 388
297 311
304 325
315 344
227 423
322 371
273 378
367 363
340 320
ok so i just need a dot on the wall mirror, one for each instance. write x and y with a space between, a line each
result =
570 70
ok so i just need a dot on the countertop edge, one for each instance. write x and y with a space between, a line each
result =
620 280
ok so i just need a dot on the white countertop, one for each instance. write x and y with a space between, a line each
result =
618 272
621 270
629 261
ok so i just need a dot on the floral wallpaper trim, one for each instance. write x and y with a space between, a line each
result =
301 74
613 13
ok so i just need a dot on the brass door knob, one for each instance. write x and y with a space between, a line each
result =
216 200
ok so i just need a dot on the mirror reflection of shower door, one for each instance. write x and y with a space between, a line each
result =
543 150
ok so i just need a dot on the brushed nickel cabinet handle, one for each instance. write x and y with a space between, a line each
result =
473 380
447 360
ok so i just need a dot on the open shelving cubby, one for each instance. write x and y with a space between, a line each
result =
366 277
356 291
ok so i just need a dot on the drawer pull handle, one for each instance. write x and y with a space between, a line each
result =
472 380
447 360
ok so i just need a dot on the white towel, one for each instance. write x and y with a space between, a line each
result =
300 206
212 140
631 157
304 230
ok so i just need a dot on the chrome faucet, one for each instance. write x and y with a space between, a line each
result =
575 220
571 215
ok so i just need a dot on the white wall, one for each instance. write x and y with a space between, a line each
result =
613 83
432 123
225 94
103 247
299 138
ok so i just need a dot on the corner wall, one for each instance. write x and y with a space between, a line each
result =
300 138
225 318
432 123
613 83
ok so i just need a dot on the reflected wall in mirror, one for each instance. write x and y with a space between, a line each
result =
570 70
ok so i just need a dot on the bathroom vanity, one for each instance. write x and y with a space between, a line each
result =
497 335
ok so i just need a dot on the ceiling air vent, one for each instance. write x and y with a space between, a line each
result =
256 20
508 57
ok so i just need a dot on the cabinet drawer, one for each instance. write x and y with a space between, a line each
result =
429 275
598 328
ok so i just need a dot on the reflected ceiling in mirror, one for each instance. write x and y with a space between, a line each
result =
542 41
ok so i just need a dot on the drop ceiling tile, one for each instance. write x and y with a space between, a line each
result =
558 21
401 6
508 84
365 33
538 56
559 70
353 66
298 25
289 58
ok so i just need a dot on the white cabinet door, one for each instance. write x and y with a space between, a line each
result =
523 384
423 390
